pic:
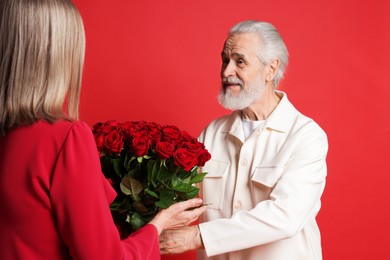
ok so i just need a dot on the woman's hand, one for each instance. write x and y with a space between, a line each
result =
178 215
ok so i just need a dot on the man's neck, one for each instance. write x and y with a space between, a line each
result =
262 108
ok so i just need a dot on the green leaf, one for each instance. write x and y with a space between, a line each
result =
139 207
164 174
198 177
117 163
130 186
152 193
128 160
152 175
182 187
139 159
192 192
117 205
166 199
187 180
135 220
174 180
182 173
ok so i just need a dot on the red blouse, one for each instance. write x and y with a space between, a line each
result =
54 199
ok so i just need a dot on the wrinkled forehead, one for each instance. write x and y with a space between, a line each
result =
242 42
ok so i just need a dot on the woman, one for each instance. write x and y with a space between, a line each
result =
54 200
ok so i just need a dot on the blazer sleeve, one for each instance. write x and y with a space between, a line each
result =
81 206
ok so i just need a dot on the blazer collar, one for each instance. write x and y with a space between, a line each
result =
283 116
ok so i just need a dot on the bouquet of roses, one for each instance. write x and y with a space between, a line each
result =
151 166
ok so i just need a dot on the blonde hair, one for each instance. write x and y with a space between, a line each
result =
42 45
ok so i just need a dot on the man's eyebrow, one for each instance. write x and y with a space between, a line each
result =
238 55
234 54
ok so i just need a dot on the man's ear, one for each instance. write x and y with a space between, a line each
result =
272 69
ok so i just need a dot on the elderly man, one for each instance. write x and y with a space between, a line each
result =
268 168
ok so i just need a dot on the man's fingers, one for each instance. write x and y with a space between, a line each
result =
171 242
191 215
180 240
195 213
200 210
170 251
184 205
180 216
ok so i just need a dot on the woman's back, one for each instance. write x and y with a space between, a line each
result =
27 157
50 186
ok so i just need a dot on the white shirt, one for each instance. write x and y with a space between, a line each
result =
264 191
250 126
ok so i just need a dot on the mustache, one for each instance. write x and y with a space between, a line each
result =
232 80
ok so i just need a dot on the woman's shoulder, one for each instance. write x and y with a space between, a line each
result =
60 129
63 125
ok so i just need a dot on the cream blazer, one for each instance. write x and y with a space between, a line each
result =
264 191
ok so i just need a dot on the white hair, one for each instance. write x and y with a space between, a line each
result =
272 44
245 97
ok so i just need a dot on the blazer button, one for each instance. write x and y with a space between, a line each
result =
237 205
244 162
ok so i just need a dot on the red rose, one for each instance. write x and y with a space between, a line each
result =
193 146
171 134
155 133
140 126
113 142
164 150
105 128
129 129
144 133
153 125
99 139
203 157
97 128
108 136
185 158
127 126
140 146
186 137
198 149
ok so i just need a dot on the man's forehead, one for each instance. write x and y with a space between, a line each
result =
230 43
241 43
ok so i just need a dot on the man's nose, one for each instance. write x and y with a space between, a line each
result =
228 70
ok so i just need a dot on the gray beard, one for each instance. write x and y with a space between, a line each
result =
243 99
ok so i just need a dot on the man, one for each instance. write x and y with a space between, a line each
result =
268 168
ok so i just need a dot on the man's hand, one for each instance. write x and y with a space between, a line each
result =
178 215
176 241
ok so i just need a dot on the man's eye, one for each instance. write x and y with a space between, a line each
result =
240 61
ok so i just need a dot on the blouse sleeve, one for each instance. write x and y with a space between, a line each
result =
81 206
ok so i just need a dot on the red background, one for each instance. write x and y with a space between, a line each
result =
159 61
